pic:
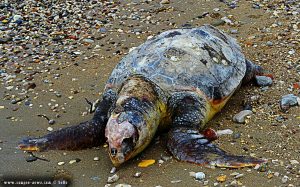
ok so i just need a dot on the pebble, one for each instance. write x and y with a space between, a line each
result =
269 43
288 101
50 129
165 158
198 175
234 174
261 167
51 121
123 185
276 174
294 162
236 135
96 158
165 2
60 163
102 29
239 176
113 178
137 174
176 181
263 81
240 117
74 161
284 179
31 158
233 31
224 132
113 170
88 41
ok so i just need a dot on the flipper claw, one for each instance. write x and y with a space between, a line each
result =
33 144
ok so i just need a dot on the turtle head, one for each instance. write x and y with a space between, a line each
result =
134 119
124 136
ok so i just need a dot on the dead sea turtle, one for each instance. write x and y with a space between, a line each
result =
178 81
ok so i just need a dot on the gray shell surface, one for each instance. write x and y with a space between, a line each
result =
203 58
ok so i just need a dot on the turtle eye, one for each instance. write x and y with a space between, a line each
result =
127 145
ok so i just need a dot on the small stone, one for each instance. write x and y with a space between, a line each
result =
96 159
261 167
233 31
165 2
270 175
113 178
247 106
269 43
239 176
176 181
263 81
240 117
2 107
288 101
236 135
137 174
72 161
31 158
113 170
224 132
291 52
165 158
234 174
123 185
9 87
51 121
102 29
198 175
284 179
88 41
221 178
276 174
294 162
50 129
60 163
77 52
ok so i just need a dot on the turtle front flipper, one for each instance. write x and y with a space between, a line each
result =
187 144
85 135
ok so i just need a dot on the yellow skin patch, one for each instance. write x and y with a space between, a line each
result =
29 148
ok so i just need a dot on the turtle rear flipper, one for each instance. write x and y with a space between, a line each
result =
189 145
253 70
85 135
